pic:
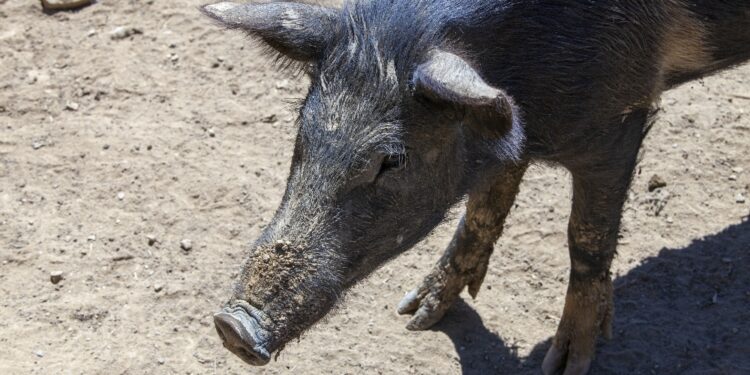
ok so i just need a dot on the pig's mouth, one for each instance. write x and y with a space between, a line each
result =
241 328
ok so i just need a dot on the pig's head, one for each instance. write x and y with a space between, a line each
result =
392 133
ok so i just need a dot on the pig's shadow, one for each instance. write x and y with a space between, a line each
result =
685 311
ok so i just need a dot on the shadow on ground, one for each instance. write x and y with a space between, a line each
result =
685 311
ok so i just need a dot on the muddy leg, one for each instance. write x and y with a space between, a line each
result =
464 262
592 238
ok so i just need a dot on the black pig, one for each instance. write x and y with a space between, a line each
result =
414 104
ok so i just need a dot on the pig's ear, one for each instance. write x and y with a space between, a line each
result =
297 31
447 79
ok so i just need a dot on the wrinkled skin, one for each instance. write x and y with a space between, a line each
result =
415 104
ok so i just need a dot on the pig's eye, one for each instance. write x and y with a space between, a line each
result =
392 162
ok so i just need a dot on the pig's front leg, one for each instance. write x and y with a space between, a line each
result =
464 262
592 239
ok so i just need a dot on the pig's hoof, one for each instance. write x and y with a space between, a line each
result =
575 342
429 302
557 362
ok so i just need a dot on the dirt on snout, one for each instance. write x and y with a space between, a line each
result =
142 148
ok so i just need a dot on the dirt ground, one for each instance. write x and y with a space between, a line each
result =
181 131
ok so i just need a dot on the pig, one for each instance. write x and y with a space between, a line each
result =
414 105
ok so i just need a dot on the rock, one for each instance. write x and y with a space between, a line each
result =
55 277
151 240
64 4
732 177
37 145
121 195
211 132
158 287
71 106
161 361
656 182
122 32
739 198
186 244
39 353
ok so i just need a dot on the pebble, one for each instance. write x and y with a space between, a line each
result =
37 145
656 182
72 106
211 132
151 239
158 287
121 195
55 277
739 198
161 361
39 353
122 32
64 4
186 244
732 177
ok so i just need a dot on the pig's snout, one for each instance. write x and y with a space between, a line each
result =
241 333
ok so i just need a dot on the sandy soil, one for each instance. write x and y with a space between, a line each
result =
181 131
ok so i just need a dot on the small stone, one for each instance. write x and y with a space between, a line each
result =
151 239
55 277
186 244
732 177
91 238
122 32
737 170
39 353
105 147
91 32
211 132
72 106
739 198
174 58
656 182
64 4
158 287
37 145
161 361
121 195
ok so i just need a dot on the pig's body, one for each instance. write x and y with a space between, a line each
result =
414 104
575 66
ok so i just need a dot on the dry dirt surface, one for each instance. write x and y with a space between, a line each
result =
130 126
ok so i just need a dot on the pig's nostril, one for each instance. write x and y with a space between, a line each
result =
236 337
